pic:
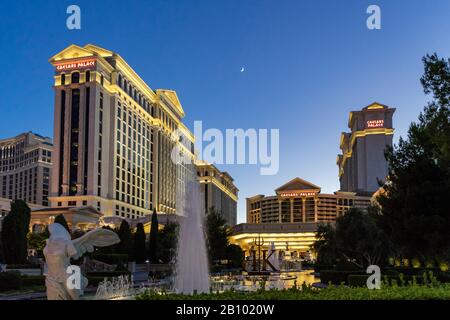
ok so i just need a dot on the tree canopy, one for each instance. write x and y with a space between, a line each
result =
356 237
217 235
414 209
140 252
153 239
125 245
15 227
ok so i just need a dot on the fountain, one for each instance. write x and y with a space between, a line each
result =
116 288
192 272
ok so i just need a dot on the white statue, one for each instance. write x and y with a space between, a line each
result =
58 251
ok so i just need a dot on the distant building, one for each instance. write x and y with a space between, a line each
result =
219 191
300 201
362 162
25 168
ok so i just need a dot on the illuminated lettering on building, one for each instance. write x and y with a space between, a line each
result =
298 194
375 123
75 65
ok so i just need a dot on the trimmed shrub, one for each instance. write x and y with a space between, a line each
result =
360 280
337 276
10 280
107 274
121 260
444 277
23 266
357 280
94 281
320 267
28 281
408 271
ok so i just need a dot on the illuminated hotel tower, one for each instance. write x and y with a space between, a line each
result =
112 136
362 162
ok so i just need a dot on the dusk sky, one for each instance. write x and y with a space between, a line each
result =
307 64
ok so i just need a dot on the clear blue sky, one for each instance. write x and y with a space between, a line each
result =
307 64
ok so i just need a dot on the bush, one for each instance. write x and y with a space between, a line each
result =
121 260
444 277
107 274
319 267
94 281
10 280
360 280
23 266
28 281
344 265
408 271
338 276
357 280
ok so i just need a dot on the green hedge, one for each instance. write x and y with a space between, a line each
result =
23 266
444 277
10 280
108 274
337 276
320 267
33 281
121 260
94 281
408 271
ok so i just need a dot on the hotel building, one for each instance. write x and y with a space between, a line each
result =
300 201
25 169
113 137
362 162
290 217
218 190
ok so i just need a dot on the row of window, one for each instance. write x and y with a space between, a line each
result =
134 169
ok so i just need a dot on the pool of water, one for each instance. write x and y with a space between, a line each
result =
279 281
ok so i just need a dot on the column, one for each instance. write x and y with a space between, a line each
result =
279 211
81 133
66 137
316 214
291 202
303 209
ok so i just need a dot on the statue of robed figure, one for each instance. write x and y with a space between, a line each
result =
60 248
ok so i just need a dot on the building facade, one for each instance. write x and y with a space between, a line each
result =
218 190
297 237
114 136
25 168
362 162
300 201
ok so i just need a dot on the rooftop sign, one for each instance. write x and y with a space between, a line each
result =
81 64
375 123
297 194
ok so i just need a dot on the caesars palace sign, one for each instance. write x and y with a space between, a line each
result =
88 63
375 123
